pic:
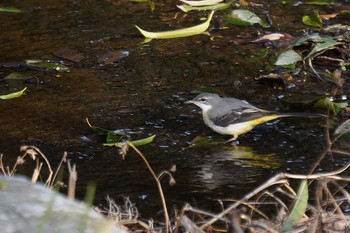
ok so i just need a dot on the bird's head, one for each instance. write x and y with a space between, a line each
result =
205 101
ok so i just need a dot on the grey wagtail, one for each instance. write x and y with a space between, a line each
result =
230 116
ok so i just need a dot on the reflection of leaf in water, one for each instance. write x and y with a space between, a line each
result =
246 157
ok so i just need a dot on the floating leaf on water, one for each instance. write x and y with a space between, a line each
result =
185 32
286 58
217 7
202 2
46 65
140 142
312 19
13 95
299 207
243 17
9 9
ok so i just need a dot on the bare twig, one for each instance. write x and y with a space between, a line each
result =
160 189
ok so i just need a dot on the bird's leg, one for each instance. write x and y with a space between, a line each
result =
234 138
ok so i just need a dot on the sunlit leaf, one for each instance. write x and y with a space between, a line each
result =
217 7
312 19
185 32
13 95
299 207
327 103
343 128
243 17
140 142
202 2
46 65
289 57
9 9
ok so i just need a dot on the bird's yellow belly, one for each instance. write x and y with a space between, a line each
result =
234 129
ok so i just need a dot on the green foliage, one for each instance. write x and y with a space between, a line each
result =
288 58
312 19
328 103
299 207
118 138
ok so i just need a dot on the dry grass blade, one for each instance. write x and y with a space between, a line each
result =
73 177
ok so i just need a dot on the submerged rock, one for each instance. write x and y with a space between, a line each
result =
32 208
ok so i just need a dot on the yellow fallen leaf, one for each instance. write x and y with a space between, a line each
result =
202 3
185 32
13 95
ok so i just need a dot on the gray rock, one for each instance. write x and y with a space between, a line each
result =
32 208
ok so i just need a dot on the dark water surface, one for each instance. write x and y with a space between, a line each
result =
143 94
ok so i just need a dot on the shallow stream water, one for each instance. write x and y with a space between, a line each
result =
143 93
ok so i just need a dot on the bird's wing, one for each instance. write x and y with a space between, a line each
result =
240 115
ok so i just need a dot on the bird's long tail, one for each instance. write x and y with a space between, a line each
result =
301 114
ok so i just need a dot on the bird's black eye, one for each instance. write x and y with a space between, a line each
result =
203 99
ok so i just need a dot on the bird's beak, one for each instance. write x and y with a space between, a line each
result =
189 102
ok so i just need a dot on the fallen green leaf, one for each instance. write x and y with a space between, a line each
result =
217 7
312 19
140 142
299 207
46 65
13 95
185 32
286 58
243 17
9 9
202 2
